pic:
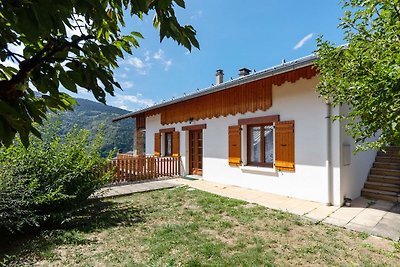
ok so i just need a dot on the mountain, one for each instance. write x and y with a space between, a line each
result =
89 115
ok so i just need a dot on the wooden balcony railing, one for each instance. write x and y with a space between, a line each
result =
128 168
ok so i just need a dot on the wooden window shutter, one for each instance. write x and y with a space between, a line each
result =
234 149
284 145
157 144
175 144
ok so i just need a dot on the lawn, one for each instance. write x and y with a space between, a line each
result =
187 227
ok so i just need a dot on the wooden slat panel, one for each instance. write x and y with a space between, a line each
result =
259 120
251 96
234 146
284 145
140 122
140 168
194 127
167 130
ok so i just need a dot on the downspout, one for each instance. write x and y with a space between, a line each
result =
329 153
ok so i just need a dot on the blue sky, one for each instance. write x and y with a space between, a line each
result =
233 34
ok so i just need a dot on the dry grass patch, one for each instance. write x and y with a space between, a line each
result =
180 227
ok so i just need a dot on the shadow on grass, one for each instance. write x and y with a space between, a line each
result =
95 216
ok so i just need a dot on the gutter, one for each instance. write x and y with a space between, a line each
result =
328 164
289 66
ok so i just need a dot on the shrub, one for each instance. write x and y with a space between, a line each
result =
43 183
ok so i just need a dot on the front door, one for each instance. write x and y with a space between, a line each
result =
196 152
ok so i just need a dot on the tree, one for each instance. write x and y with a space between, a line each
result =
73 43
365 73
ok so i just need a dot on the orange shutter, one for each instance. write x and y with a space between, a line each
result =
234 149
157 144
175 144
284 145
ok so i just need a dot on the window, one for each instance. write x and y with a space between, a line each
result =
270 142
168 144
260 145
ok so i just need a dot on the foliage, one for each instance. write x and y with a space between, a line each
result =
366 72
89 115
74 43
42 183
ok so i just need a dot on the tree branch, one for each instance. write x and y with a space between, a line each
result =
8 88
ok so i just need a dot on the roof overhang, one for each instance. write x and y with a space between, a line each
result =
284 67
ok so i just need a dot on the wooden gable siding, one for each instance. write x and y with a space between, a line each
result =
140 122
240 99
248 97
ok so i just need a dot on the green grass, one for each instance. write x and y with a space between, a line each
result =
180 227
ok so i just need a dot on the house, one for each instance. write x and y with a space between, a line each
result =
266 130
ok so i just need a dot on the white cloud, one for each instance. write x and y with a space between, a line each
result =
160 56
131 102
139 65
197 15
126 84
122 75
303 41
135 62
167 63
147 55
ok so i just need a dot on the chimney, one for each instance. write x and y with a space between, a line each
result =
244 72
219 77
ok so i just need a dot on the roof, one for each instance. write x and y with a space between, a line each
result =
282 68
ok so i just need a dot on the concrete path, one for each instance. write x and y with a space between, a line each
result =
120 190
378 218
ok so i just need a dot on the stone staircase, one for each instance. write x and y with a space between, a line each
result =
383 181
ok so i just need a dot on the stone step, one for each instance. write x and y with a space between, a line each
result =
389 154
382 186
392 148
378 194
387 159
384 179
387 165
377 171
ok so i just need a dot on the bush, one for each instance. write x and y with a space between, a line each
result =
43 183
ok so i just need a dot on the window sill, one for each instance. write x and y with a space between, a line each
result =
257 169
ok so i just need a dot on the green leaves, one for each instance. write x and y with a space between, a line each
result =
86 58
44 182
366 74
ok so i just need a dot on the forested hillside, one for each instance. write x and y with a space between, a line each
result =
89 115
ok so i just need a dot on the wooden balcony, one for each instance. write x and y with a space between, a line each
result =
129 168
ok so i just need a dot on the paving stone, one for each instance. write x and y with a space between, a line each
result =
382 205
360 202
346 213
369 217
395 209
270 203
388 228
359 228
335 221
299 207
321 212
393 216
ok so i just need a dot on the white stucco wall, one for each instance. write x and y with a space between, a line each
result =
298 102
353 175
